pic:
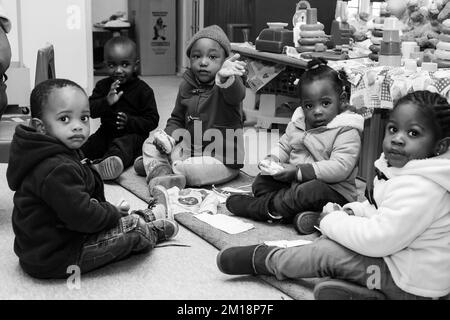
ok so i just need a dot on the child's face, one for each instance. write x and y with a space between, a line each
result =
66 116
409 135
320 103
207 57
121 62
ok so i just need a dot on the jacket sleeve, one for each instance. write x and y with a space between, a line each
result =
343 159
177 118
362 209
65 192
148 118
97 101
233 90
282 149
404 214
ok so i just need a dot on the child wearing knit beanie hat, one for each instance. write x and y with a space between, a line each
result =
202 143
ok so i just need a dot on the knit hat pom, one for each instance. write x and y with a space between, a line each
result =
215 33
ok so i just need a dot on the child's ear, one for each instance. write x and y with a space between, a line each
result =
343 97
343 101
136 65
38 125
442 146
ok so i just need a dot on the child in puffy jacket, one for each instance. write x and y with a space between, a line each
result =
318 155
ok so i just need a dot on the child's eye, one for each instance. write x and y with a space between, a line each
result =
326 103
213 57
111 65
85 118
392 129
125 65
308 106
413 133
64 119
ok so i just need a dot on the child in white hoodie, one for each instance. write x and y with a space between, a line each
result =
398 243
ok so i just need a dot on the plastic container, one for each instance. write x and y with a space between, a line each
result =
274 38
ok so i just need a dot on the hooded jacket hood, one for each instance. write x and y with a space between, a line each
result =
436 169
28 149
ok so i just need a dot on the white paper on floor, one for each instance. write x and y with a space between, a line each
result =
287 243
225 223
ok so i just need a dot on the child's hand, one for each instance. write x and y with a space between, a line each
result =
122 120
163 142
330 207
123 207
113 96
231 67
288 174
327 209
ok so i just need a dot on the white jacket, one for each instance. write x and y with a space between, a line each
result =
410 228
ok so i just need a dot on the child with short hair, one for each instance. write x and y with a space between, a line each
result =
399 243
61 217
208 109
318 155
127 108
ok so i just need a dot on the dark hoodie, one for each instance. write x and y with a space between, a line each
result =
216 108
137 101
58 201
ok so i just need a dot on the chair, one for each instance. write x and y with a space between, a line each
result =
45 69
45 64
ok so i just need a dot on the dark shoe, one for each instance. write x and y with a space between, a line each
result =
250 207
165 228
109 168
244 260
139 166
168 181
161 203
304 222
342 290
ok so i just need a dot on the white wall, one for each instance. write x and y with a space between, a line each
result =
67 25
103 9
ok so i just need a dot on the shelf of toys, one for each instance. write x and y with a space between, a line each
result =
406 48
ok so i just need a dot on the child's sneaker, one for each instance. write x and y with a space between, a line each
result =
342 290
139 166
165 228
304 222
150 215
161 204
163 141
109 168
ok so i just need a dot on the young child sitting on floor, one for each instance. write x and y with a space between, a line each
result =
127 108
318 155
60 216
208 108
399 243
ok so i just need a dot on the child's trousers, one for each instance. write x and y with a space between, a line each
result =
199 170
131 235
292 198
102 144
326 258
